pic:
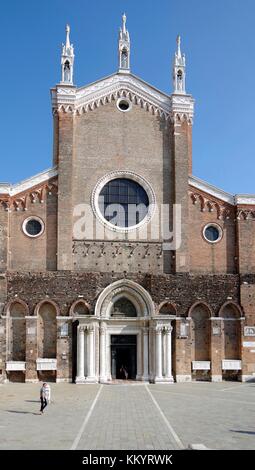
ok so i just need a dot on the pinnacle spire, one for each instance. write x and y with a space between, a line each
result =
124 47
179 69
67 59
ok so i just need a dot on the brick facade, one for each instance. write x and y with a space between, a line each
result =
55 289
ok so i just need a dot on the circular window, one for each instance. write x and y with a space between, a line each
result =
123 201
123 104
212 233
33 226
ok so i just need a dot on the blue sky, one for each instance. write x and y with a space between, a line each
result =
219 42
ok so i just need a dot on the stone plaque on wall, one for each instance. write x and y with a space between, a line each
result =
249 331
216 330
64 330
184 330
231 364
249 344
31 331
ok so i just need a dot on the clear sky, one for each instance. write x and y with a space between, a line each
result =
218 38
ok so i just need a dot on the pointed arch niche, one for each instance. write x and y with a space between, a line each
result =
200 315
231 340
47 329
17 330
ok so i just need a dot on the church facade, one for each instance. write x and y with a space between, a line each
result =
118 263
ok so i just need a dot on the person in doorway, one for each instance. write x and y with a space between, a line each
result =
44 396
124 372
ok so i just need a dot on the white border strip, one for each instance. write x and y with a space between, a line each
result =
172 431
85 422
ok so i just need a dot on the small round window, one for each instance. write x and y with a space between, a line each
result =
33 227
212 233
123 104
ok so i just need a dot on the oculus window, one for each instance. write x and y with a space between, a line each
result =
123 202
33 227
212 233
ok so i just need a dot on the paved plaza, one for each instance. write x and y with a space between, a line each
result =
135 416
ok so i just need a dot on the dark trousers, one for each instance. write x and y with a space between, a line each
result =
43 403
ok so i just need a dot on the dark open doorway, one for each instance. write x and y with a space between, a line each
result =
123 357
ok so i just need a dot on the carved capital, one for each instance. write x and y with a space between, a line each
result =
168 329
158 330
102 329
90 329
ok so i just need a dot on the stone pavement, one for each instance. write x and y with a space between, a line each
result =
137 416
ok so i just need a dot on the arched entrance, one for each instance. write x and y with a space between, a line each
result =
124 309
116 335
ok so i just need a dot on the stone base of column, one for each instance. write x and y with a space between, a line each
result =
64 380
103 380
91 380
248 378
163 380
138 377
216 378
145 378
80 380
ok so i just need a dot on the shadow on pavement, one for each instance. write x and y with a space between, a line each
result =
22 412
242 432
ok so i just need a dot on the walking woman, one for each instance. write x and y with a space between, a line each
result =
44 396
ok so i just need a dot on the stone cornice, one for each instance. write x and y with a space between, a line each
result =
82 100
16 197
13 189
245 214
211 190
182 107
211 199
208 203
245 199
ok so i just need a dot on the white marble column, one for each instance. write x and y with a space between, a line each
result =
139 357
91 355
151 354
80 355
158 332
102 354
108 356
168 373
145 354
